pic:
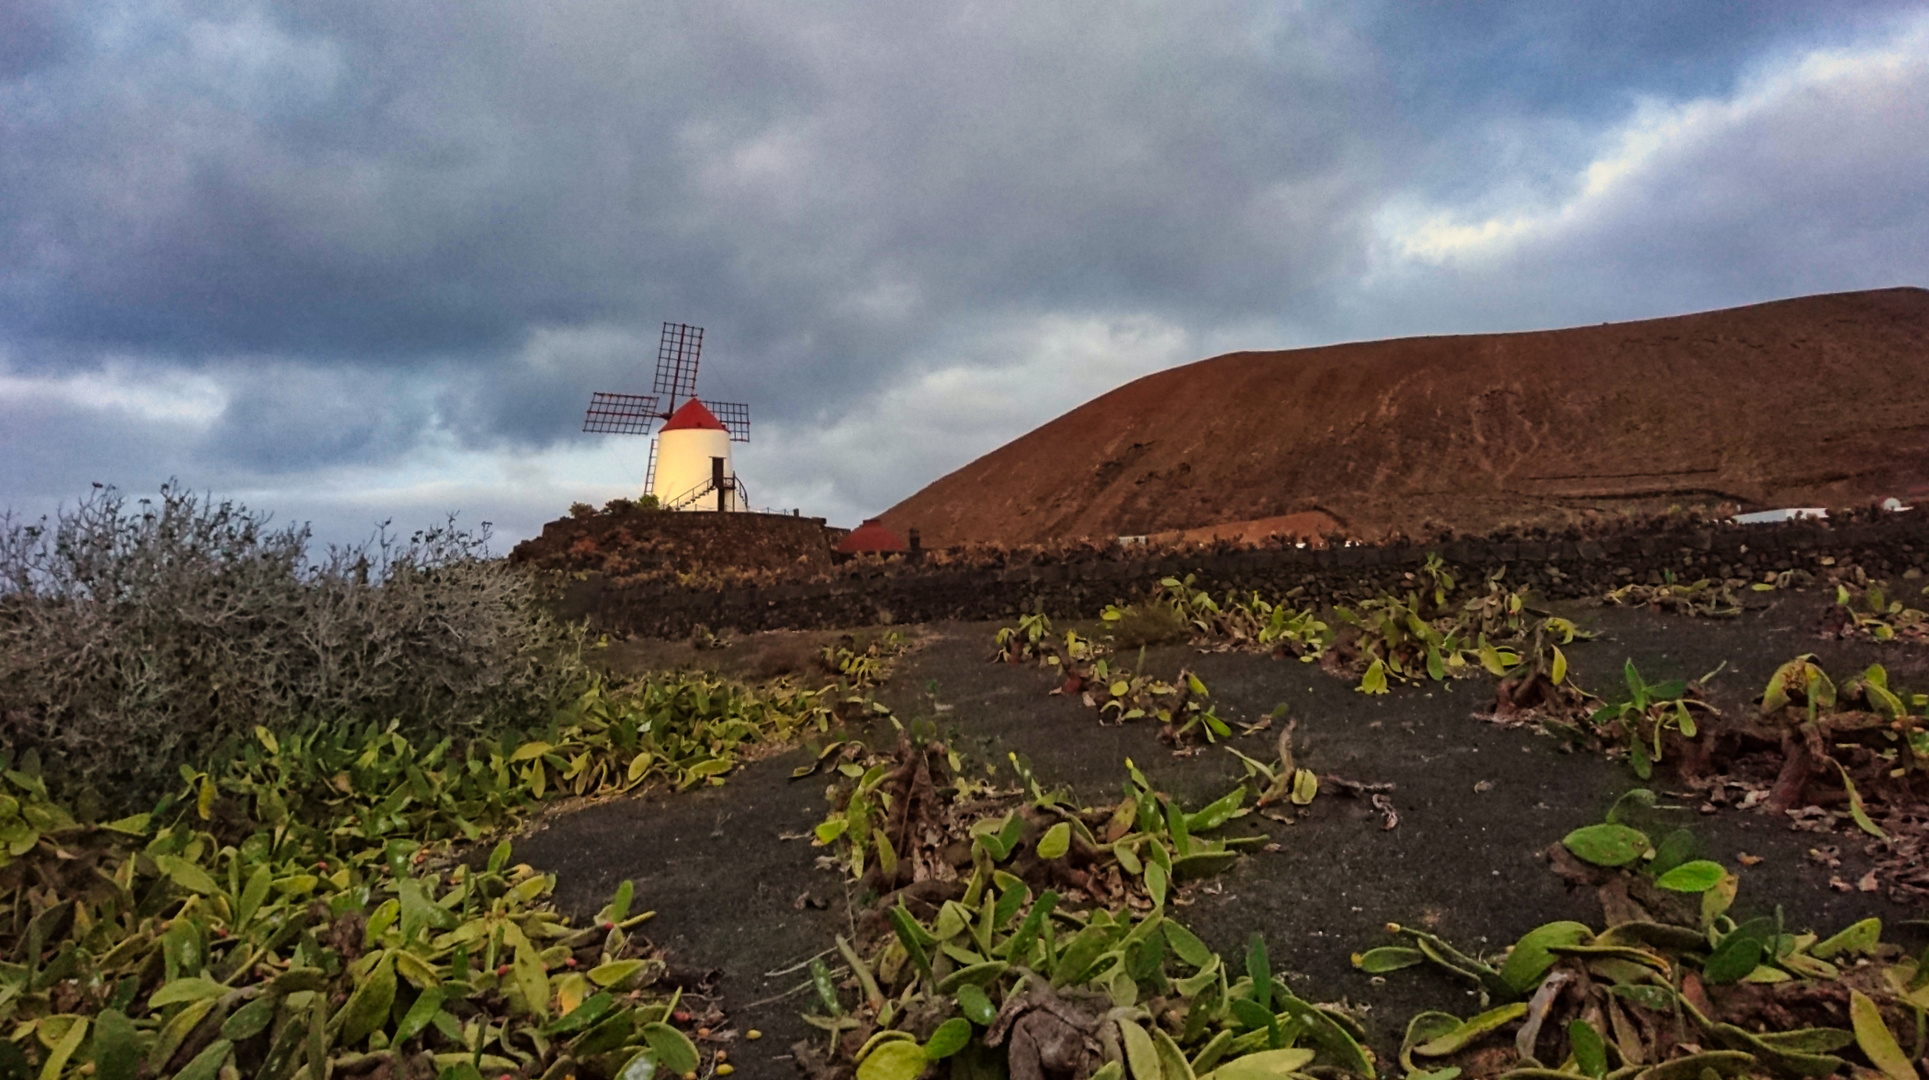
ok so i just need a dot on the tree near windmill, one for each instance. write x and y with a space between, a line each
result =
690 465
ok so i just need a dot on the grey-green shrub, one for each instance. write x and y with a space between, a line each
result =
134 640
1149 622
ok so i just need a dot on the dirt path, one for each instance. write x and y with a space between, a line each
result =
1477 804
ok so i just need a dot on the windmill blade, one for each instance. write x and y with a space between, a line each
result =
734 415
621 414
676 362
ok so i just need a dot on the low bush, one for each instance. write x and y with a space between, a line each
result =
137 639
1150 623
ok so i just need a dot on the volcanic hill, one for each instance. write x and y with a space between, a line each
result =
1816 401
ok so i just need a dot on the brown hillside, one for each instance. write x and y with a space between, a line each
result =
1822 400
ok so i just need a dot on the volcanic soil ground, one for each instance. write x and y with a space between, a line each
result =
735 890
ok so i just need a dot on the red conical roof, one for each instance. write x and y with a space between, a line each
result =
693 415
871 536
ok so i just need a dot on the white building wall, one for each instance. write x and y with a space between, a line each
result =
683 464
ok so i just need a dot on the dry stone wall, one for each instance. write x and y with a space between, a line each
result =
662 543
1556 568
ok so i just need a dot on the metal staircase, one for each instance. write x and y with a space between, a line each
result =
692 497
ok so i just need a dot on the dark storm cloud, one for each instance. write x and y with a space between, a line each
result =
403 184
371 222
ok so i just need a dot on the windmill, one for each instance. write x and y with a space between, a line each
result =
690 455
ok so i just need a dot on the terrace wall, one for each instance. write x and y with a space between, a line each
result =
1888 546
639 541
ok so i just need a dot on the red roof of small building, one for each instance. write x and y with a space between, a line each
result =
871 536
694 415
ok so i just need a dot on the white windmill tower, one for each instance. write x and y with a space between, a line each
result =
690 457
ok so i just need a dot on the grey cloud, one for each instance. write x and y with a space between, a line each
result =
284 417
60 441
1801 185
383 224
1502 88
54 450
819 185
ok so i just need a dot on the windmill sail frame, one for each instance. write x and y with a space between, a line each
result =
621 414
677 355
734 415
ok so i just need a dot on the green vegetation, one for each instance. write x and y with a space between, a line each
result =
1863 607
1022 642
280 913
1705 597
1673 986
614 508
1006 975
1049 945
1035 937
901 820
1142 625
1251 621
322 750
1650 713
1871 612
1884 742
1183 707
862 661
1009 982
1434 632
137 640
1871 741
316 744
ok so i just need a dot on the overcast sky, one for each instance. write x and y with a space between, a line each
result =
352 261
